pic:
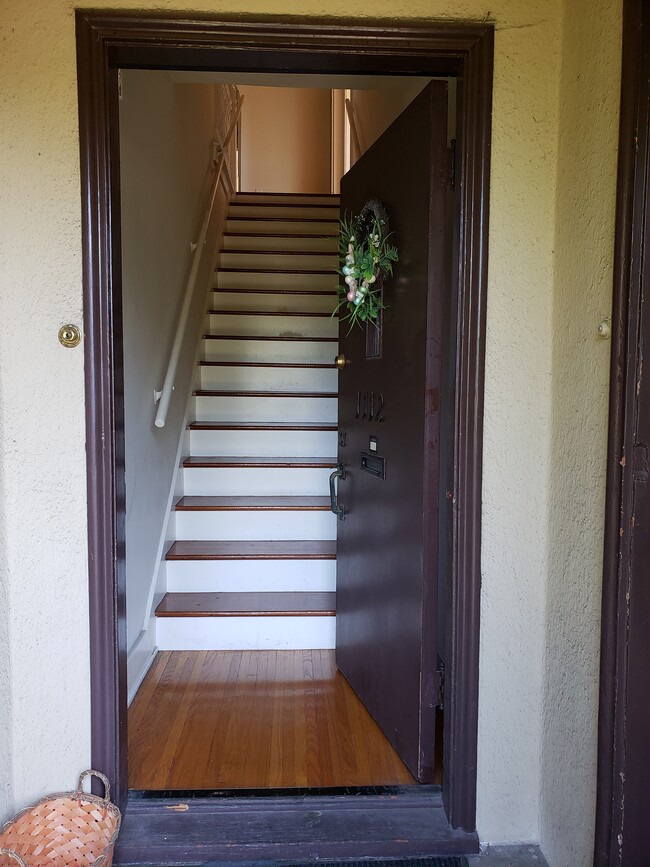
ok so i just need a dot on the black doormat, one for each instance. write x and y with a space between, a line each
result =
441 861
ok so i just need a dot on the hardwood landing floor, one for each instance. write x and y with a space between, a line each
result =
253 720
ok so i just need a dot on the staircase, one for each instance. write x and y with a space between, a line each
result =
254 561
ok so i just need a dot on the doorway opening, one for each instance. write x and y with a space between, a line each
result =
244 667
105 45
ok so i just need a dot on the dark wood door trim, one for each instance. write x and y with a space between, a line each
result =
107 41
633 162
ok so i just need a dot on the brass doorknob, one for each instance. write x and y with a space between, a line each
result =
340 361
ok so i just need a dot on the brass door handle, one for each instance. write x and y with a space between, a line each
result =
340 361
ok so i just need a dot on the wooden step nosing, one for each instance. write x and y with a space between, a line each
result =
274 219
282 193
303 271
248 604
281 427
209 462
266 252
299 313
252 504
246 291
306 236
305 395
270 337
192 551
334 206
252 557
272 364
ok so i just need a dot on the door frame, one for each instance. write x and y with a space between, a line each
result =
107 41
617 602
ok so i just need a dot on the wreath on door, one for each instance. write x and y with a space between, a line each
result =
365 258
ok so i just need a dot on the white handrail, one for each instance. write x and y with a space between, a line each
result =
163 397
356 136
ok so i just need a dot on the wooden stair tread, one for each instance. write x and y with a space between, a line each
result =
253 504
204 392
268 219
223 270
271 252
259 462
270 337
194 549
235 203
254 425
214 311
282 364
292 604
282 193
236 289
302 235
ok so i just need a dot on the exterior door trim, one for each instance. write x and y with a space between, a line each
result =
631 208
108 41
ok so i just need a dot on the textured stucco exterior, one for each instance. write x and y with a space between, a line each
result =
584 243
546 382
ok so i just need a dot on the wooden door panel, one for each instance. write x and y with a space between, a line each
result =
388 542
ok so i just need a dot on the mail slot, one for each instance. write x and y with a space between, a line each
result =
373 465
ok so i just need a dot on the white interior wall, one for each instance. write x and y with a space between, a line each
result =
285 139
166 134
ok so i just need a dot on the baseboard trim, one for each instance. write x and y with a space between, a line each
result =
135 685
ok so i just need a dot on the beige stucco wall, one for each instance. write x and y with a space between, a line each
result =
584 243
539 302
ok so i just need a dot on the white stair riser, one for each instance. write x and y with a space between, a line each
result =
251 576
274 211
283 227
269 378
286 199
260 280
317 444
273 326
299 351
293 260
246 633
290 409
252 481
257 241
253 525
278 303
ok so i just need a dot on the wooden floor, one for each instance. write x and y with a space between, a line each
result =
254 719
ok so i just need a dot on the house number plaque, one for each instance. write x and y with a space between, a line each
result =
369 406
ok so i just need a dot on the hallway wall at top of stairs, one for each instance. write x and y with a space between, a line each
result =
166 135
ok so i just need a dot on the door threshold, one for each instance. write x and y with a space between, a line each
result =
285 825
289 792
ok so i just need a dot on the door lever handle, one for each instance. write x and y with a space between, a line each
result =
339 473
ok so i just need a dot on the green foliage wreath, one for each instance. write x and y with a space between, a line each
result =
365 257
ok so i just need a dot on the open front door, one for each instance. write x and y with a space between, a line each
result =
390 398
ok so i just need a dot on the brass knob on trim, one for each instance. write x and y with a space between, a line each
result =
70 336
340 361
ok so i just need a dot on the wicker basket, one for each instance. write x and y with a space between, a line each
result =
71 828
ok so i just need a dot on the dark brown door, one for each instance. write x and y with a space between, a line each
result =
389 441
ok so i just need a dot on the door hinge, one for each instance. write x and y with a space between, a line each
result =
452 165
441 686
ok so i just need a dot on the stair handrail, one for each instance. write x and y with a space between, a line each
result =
164 396
354 128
